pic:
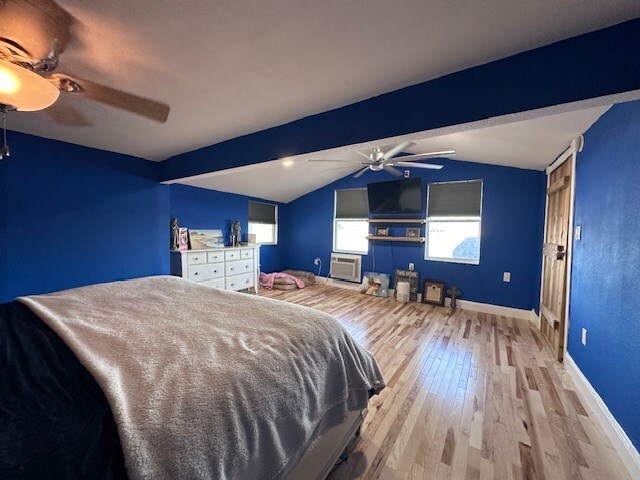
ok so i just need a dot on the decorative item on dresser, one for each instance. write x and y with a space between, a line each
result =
229 268
173 226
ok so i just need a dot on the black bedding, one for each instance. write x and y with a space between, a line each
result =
55 421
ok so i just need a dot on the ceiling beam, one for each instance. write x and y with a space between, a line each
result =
596 64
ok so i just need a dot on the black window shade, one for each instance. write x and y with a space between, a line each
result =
352 203
455 199
262 213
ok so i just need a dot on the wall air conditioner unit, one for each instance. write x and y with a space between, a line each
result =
345 267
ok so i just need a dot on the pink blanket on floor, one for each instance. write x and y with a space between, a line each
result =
267 279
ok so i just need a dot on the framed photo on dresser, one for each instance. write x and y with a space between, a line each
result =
183 239
200 239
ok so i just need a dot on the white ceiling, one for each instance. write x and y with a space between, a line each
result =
231 67
532 144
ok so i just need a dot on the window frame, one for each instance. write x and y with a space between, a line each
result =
454 218
275 225
336 220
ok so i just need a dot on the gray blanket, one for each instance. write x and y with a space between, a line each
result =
205 383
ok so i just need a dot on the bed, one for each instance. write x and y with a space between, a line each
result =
161 378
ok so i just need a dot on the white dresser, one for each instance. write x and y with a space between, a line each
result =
230 268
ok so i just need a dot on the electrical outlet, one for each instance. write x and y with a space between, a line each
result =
578 232
411 266
506 277
316 261
407 174
584 336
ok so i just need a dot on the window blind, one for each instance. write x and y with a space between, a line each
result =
262 213
455 199
352 203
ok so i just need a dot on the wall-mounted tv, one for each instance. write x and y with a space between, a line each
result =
396 196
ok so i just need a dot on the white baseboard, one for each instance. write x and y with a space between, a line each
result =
619 439
463 304
492 309
334 282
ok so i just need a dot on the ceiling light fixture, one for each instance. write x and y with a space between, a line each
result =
287 162
25 90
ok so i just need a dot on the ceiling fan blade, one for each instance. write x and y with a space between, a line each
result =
429 166
336 168
67 115
38 27
421 156
368 157
110 96
392 171
361 172
395 150
336 161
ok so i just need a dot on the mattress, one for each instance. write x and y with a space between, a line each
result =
239 428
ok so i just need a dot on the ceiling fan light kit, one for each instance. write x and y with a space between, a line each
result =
33 36
25 90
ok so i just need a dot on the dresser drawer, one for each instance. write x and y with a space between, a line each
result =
215 283
232 255
246 253
239 282
215 257
196 258
239 267
199 273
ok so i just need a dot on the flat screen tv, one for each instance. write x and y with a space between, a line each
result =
396 196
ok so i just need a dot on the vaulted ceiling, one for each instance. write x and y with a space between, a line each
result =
532 144
228 68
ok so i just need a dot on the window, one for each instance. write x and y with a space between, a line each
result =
350 225
454 213
263 222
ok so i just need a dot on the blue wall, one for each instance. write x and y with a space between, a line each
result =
511 234
200 208
71 216
606 264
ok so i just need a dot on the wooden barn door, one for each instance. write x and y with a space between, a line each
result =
554 256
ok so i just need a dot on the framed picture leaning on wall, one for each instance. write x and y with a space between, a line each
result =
433 292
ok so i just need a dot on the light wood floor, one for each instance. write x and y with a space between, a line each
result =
469 395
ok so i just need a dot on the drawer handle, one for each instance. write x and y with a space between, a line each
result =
231 269
215 271
196 274
233 284
196 258
246 266
246 281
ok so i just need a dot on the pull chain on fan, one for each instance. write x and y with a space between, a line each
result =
4 151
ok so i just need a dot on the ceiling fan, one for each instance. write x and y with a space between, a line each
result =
33 35
387 161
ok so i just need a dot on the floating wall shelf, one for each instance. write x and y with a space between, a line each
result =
397 220
396 239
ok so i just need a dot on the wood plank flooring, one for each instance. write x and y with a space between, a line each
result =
469 396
